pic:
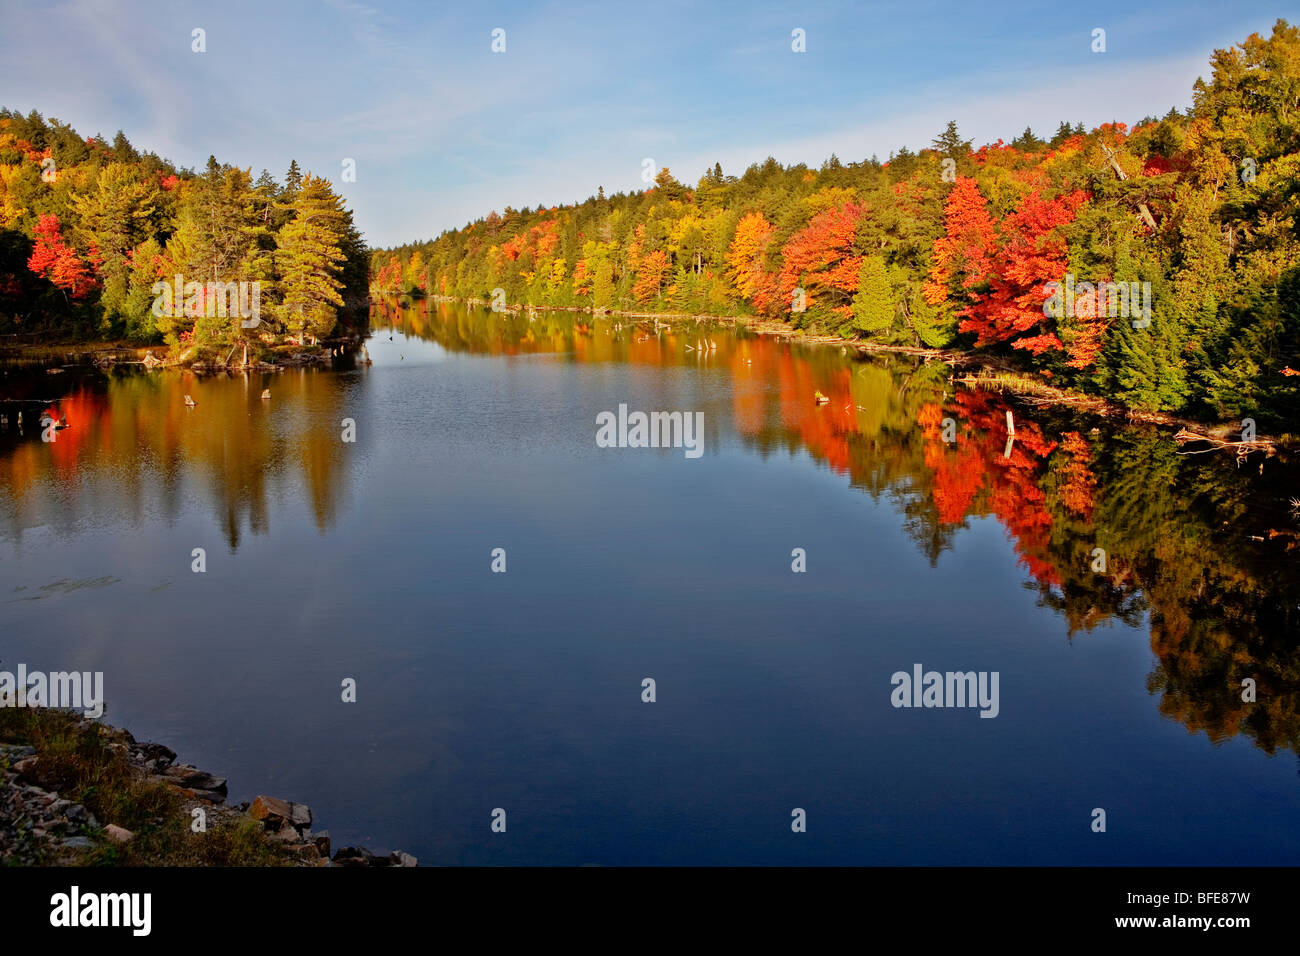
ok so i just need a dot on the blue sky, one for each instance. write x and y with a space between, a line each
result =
443 130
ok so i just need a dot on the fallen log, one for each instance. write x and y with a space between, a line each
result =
1242 448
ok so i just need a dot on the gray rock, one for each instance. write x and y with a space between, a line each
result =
162 757
403 859
79 843
285 835
193 778
352 856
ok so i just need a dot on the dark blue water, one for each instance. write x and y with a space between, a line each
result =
523 690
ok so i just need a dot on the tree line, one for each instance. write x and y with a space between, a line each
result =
1157 265
91 231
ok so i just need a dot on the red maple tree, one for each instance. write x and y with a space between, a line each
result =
963 256
819 258
57 261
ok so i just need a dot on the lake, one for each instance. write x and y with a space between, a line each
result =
1120 591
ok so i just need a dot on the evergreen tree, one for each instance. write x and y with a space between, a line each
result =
310 259
123 151
873 305
950 143
292 181
1027 142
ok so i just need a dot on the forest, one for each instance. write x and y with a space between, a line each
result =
956 247
91 231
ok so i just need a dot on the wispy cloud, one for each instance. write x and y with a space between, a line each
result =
444 130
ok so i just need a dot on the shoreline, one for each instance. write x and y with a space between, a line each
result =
80 792
991 373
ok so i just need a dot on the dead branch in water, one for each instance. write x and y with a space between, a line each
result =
1242 448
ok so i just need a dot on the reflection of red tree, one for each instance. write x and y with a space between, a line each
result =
979 462
87 414
958 476
824 430
1080 483
750 372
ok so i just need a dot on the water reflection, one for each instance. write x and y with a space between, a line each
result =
133 447
1110 524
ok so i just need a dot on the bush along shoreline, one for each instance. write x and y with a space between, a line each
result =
79 792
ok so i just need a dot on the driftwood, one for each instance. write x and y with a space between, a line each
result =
1242 448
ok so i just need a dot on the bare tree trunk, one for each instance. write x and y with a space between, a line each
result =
1119 171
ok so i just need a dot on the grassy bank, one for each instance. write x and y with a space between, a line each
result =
90 764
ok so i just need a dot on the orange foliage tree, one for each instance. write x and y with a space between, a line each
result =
650 276
820 259
745 260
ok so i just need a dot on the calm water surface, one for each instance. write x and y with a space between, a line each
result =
371 560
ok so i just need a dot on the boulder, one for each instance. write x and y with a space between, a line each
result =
275 813
162 757
351 856
211 796
118 834
286 834
403 859
194 779
304 851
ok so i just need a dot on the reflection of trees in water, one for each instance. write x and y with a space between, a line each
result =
1175 530
134 446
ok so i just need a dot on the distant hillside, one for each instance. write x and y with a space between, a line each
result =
1191 219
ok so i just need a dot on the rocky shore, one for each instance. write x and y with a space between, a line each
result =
151 810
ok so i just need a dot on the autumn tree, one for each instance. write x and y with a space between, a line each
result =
309 257
54 259
746 260
821 261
